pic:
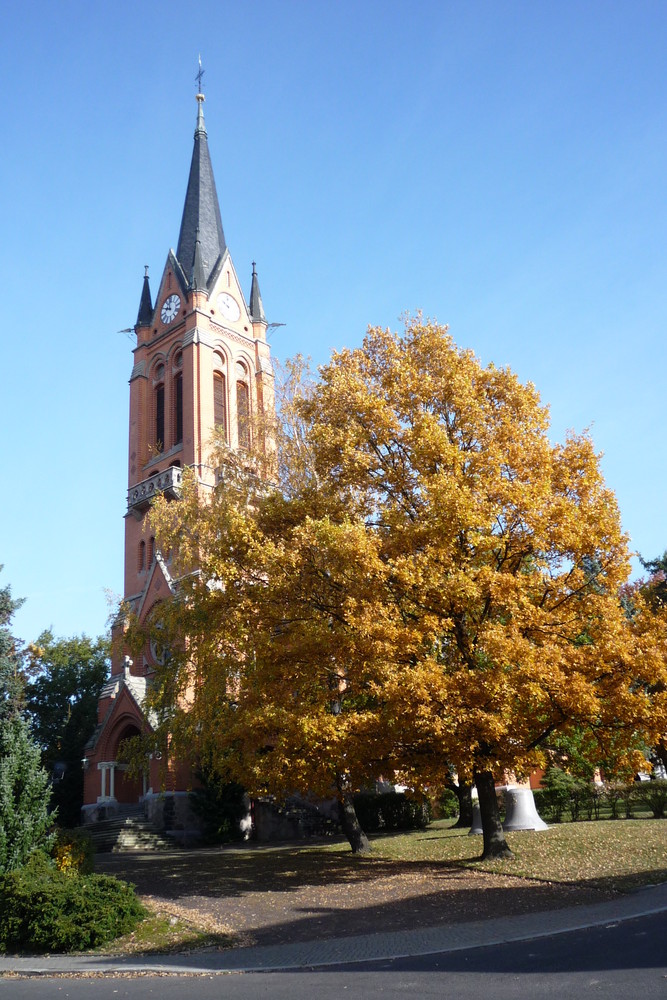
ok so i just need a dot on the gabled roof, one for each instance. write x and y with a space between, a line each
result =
201 212
113 688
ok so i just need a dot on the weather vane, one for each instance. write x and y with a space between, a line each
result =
199 76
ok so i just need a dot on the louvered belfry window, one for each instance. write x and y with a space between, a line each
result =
178 409
243 414
159 418
219 408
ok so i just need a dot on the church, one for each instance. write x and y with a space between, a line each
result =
201 363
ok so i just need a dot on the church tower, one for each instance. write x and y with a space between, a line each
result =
201 364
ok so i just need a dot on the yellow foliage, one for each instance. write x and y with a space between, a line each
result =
429 581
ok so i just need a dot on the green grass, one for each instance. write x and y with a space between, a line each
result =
618 854
174 930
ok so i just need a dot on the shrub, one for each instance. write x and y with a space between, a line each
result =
615 794
74 851
592 800
556 791
629 799
578 796
391 811
43 909
653 794
447 804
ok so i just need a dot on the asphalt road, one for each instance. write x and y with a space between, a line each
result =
620 961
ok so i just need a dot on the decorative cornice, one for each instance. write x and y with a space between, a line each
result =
238 338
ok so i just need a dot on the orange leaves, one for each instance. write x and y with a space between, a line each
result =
434 581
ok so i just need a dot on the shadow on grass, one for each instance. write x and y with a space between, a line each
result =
281 895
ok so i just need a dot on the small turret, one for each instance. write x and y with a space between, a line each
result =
145 314
256 307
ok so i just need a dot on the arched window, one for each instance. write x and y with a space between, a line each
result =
219 408
178 409
142 556
151 551
242 405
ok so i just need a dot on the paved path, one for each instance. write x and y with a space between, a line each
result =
360 948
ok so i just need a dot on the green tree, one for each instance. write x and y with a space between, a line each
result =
12 680
67 677
24 784
24 795
656 585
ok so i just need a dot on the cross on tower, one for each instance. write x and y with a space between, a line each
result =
199 76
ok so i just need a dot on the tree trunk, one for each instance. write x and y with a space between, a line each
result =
464 795
495 845
350 823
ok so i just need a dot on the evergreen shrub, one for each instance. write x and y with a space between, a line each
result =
391 811
46 910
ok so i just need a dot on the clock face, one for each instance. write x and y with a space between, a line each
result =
170 309
228 306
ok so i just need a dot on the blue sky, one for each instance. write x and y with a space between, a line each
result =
500 166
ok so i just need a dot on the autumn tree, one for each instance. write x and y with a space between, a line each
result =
429 582
505 556
265 680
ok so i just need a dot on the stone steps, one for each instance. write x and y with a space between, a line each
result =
128 833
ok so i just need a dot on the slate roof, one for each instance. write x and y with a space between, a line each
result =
201 212
256 307
145 314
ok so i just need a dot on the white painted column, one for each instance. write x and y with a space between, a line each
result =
112 776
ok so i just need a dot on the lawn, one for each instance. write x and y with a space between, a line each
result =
618 854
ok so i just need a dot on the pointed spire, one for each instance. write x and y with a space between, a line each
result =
201 212
198 279
256 307
145 314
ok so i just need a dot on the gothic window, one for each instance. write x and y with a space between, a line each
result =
178 409
151 551
219 408
142 556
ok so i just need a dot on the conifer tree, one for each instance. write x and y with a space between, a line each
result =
12 687
24 795
24 784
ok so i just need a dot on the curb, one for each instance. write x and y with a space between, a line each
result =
360 948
